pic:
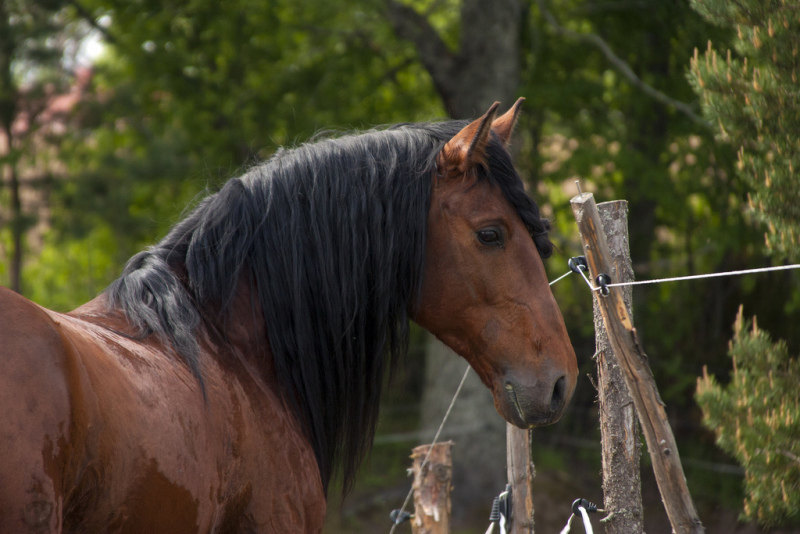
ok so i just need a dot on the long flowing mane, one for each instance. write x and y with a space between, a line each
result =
331 238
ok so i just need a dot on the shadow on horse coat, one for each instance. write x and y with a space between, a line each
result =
219 382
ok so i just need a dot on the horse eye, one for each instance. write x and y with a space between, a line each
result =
490 237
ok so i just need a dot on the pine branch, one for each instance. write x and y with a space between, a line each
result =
621 66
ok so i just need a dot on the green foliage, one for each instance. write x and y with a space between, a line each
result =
72 271
264 73
33 36
752 95
756 418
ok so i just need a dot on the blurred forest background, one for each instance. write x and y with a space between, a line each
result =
117 115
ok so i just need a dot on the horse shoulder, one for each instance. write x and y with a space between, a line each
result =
273 476
35 417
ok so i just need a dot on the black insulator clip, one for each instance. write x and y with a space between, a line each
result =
504 503
585 504
577 264
494 515
602 282
399 516
501 507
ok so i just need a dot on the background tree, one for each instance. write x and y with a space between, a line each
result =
32 39
751 94
756 417
474 59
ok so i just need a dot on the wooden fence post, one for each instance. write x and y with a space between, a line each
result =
638 377
432 485
619 429
519 466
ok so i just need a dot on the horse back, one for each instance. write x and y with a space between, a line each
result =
75 432
35 417
103 432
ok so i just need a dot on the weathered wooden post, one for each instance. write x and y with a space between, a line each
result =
519 467
619 430
432 485
638 377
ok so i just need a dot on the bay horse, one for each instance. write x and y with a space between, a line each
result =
235 366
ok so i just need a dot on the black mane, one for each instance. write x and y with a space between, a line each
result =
331 237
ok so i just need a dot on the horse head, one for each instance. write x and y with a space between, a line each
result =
485 293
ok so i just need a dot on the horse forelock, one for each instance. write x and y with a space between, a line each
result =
503 173
331 236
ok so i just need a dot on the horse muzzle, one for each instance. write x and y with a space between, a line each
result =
534 403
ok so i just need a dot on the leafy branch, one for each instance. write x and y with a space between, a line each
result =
620 65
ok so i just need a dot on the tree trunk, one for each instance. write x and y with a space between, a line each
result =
17 230
485 68
15 217
8 110
475 427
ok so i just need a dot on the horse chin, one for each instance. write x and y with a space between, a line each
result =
512 414
517 405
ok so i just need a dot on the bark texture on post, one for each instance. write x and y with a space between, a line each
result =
432 485
520 476
638 377
619 430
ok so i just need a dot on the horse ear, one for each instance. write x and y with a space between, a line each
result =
503 125
468 147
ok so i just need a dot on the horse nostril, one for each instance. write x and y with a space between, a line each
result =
558 398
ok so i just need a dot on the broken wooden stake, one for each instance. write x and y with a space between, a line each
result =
432 486
619 429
